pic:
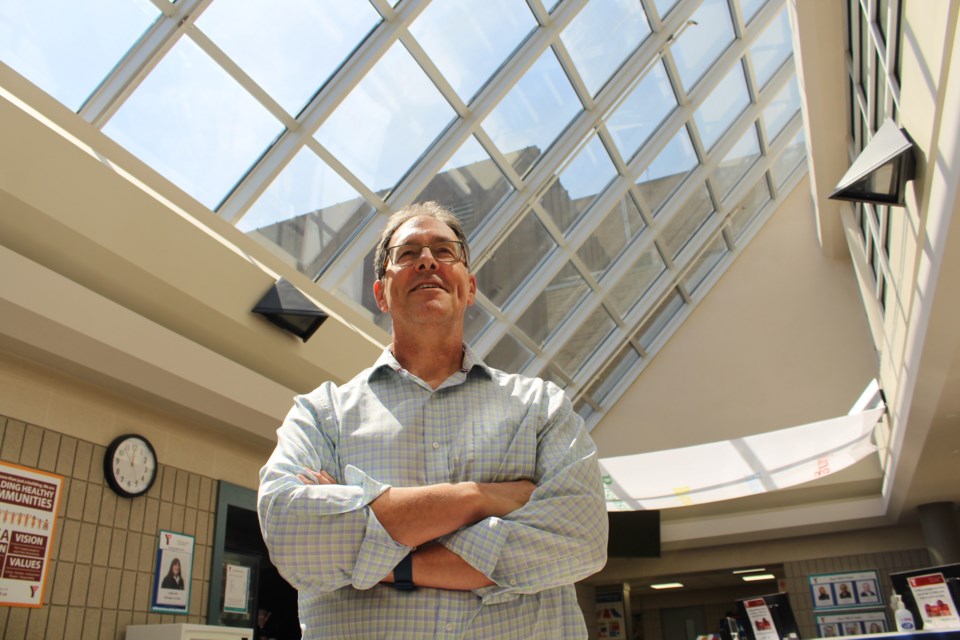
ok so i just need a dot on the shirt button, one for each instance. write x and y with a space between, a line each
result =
449 626
436 445
513 582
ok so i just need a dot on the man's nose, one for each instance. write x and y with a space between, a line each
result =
426 261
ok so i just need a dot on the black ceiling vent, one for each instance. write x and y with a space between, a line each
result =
285 306
880 173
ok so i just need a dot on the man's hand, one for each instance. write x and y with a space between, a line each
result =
316 477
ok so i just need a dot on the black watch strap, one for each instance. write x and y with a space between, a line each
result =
403 574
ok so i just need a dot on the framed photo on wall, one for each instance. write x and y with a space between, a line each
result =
171 584
856 589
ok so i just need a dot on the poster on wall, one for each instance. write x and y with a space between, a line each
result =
611 618
240 575
29 501
171 586
236 589
838 625
934 602
845 590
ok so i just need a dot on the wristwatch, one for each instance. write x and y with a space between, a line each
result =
403 574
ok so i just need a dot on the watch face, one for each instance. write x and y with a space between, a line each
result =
130 465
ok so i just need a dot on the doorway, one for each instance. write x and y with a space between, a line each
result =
243 581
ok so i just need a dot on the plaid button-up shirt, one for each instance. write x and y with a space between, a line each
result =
386 427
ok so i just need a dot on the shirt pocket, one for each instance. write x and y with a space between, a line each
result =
502 447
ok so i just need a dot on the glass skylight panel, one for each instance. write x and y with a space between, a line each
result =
621 26
686 222
509 355
514 260
579 184
553 305
308 211
639 115
583 409
626 293
618 227
727 101
654 325
613 373
469 41
290 52
178 122
772 48
475 320
789 158
664 7
698 47
358 286
748 208
535 111
665 173
781 109
594 330
750 8
471 185
387 122
737 162
705 263
551 374
67 47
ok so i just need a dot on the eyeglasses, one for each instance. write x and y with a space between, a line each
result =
404 255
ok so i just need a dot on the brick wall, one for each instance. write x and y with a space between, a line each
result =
102 561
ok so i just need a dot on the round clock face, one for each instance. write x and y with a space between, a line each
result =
130 465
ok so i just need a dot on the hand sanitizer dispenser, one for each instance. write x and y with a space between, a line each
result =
901 614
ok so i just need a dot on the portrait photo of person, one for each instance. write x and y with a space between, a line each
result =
843 591
823 596
867 591
174 578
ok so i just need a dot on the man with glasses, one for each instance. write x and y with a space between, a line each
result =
433 496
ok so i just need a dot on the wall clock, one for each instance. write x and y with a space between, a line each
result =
130 465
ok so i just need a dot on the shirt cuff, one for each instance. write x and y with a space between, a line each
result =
379 553
480 546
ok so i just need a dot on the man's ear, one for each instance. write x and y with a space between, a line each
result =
473 290
378 294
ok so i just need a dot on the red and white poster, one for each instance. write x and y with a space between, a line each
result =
29 500
932 596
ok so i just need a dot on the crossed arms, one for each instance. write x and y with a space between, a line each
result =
416 516
500 539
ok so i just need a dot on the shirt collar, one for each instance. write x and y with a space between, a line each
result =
470 362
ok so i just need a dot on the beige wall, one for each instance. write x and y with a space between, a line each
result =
729 372
102 563
102 560
41 396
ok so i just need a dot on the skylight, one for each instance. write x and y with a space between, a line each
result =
608 162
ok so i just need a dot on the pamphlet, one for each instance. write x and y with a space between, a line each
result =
759 614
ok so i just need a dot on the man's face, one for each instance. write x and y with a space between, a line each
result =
427 291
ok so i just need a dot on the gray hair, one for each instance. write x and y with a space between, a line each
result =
429 209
